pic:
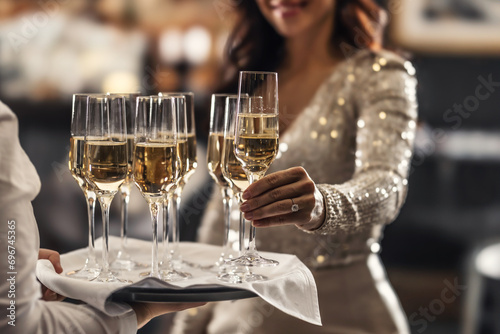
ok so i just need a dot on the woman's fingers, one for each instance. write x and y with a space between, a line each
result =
286 219
286 192
282 207
285 197
274 180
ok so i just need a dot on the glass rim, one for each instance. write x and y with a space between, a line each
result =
123 94
159 99
88 94
259 72
223 94
175 93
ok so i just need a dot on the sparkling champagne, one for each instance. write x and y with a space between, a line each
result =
130 158
76 149
182 153
155 168
106 164
257 141
191 149
232 169
214 157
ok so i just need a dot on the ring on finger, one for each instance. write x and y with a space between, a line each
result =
295 207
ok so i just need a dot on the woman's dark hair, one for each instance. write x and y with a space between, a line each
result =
254 45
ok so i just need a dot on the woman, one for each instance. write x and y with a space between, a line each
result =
347 122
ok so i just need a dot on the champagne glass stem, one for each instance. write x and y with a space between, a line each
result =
125 192
169 273
155 208
177 215
242 234
252 177
91 259
164 240
105 201
173 227
226 202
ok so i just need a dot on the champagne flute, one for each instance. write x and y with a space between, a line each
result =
214 162
123 260
256 139
155 159
170 273
76 157
106 160
237 180
187 140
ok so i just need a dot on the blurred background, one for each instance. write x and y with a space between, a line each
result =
438 254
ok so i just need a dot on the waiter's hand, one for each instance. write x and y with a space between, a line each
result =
147 311
53 257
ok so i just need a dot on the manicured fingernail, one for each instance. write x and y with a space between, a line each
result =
246 194
244 207
249 215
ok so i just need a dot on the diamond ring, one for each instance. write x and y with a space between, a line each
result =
295 207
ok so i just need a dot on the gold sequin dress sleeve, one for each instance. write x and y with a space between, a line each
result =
355 141
382 103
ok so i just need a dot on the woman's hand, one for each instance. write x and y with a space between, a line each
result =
269 200
53 257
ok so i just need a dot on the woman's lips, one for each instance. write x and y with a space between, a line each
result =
288 9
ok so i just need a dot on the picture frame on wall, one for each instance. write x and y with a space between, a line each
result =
447 26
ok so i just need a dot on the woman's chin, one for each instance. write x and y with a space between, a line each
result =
290 31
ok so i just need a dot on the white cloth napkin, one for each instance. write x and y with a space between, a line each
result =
290 286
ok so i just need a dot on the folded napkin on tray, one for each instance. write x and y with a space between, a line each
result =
290 287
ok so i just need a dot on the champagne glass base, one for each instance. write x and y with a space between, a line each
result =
231 278
252 259
174 275
126 265
254 277
218 267
109 277
237 275
123 261
86 272
223 258
210 267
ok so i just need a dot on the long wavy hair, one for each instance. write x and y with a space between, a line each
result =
255 45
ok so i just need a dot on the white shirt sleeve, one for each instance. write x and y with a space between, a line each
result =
22 310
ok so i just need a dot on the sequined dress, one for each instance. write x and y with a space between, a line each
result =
355 141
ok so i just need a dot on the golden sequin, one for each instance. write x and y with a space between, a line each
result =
375 247
409 68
